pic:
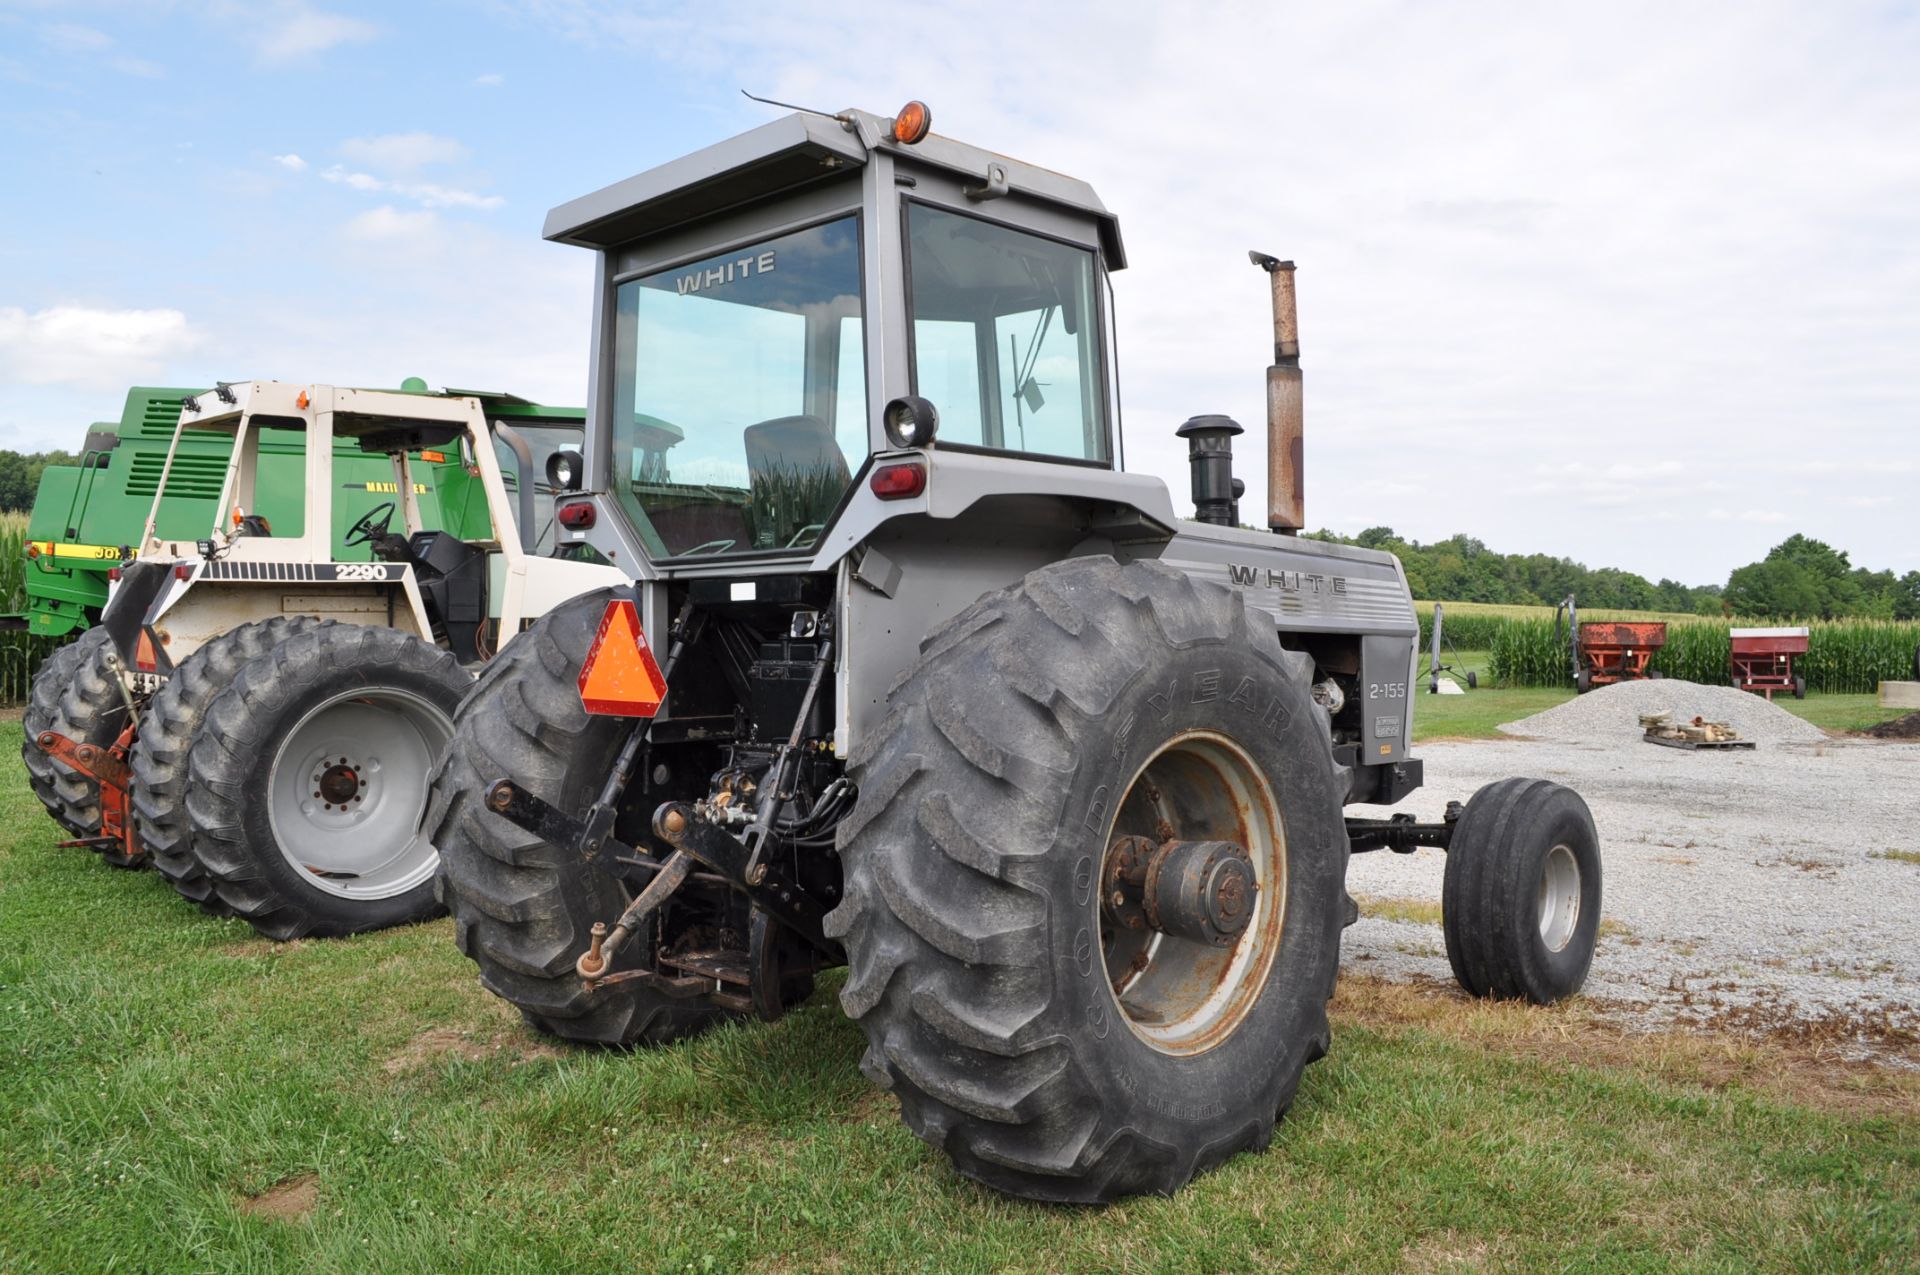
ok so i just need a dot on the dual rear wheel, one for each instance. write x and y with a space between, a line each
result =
279 774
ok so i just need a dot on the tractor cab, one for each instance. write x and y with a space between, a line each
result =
830 323
468 593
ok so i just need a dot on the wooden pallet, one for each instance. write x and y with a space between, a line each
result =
1664 742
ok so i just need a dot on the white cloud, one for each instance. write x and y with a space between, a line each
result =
491 80
71 37
402 153
139 67
288 32
1747 515
387 223
291 161
90 347
426 194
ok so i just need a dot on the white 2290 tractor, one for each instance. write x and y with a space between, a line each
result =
258 719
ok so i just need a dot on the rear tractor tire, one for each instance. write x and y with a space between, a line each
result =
308 776
160 754
522 908
1036 1026
43 772
1520 901
91 709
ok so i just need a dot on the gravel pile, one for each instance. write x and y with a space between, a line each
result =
1611 714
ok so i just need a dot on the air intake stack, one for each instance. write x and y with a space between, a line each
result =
1216 492
1286 479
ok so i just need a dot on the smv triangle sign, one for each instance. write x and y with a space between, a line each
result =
620 677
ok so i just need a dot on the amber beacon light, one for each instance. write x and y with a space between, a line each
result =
912 123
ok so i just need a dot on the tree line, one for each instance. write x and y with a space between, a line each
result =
1800 578
20 476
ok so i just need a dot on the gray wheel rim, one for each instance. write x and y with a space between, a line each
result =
1559 898
1180 996
347 789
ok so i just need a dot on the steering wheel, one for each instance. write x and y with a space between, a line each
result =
372 525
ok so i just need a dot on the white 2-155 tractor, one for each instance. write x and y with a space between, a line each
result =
946 695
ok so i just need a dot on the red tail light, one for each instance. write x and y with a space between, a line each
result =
183 571
113 573
579 515
899 482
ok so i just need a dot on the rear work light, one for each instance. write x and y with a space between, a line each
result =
579 515
899 482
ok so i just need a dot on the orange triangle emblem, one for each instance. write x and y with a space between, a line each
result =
620 677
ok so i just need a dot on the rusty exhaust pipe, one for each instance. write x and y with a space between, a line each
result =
1286 479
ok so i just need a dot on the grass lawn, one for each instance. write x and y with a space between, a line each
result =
177 1094
1478 713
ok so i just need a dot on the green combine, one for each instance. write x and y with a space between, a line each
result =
85 516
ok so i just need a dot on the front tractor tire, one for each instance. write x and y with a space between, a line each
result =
1052 1038
522 908
308 776
1520 901
160 755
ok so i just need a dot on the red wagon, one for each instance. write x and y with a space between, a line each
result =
1617 651
1763 660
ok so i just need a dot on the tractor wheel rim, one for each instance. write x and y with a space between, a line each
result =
1559 898
1179 995
347 789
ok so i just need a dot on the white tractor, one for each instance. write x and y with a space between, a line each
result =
257 717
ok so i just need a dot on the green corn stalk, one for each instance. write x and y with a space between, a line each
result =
20 653
1843 656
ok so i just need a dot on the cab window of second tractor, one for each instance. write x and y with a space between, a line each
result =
740 394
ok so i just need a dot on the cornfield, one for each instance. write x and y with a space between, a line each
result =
20 653
1843 656
1473 626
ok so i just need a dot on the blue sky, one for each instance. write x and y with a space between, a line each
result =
1637 284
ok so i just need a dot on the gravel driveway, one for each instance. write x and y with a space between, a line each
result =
1745 888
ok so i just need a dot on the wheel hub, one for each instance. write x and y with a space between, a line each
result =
1201 890
1192 893
338 784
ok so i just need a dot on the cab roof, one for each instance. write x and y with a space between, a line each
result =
787 154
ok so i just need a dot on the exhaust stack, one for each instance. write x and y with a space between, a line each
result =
1286 479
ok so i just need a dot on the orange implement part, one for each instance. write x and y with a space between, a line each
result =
108 768
620 677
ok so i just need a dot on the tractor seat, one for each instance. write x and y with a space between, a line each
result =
796 447
796 474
